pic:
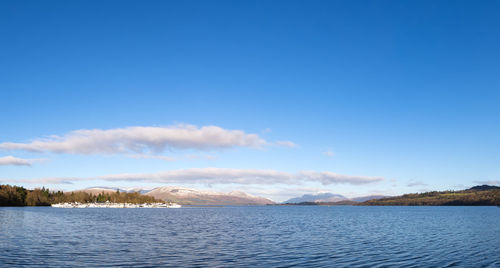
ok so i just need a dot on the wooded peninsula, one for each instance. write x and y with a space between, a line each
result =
16 196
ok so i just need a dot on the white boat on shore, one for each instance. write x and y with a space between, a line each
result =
108 204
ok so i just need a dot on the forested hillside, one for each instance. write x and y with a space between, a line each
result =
483 195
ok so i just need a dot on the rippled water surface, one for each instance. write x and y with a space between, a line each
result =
251 236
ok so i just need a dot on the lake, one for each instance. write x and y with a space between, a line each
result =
269 236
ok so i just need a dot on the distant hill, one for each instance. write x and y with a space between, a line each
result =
329 199
337 203
97 190
369 197
321 197
484 187
483 195
187 196
137 190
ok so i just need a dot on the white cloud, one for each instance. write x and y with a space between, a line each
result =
148 156
327 177
52 180
141 139
170 158
228 176
206 176
15 161
198 157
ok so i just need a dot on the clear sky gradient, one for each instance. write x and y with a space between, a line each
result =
407 91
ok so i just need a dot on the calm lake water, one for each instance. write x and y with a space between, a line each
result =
251 236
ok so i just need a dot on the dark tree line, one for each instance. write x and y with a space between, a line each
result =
476 196
15 196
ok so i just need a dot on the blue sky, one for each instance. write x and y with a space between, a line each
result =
407 92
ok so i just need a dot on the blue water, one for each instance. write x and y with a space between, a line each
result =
251 236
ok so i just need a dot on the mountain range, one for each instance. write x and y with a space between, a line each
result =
321 197
188 196
329 198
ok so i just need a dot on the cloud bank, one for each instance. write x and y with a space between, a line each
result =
147 156
14 161
226 176
142 139
170 158
490 182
